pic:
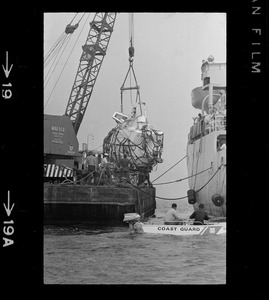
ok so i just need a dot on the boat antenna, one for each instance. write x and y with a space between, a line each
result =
131 69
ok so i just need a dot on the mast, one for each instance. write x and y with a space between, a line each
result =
91 60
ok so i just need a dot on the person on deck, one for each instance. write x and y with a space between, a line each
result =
105 167
124 165
199 215
92 163
171 216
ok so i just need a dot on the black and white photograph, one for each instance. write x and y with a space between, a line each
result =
135 135
114 146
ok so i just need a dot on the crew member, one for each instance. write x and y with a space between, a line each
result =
91 162
199 215
136 226
124 165
171 216
105 167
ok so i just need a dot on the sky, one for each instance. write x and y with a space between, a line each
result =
169 49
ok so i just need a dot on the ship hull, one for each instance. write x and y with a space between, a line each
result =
95 204
203 154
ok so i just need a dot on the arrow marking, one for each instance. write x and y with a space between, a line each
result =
6 69
7 208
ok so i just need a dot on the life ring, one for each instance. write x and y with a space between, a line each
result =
218 200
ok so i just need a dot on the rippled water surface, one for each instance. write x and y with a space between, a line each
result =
83 254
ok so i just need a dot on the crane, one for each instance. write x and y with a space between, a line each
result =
91 60
60 140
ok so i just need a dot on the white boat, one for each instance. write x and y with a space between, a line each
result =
188 229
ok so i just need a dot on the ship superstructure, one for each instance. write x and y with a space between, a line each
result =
206 149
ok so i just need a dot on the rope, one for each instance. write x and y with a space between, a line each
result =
197 162
223 180
162 198
169 168
210 178
82 179
179 198
183 177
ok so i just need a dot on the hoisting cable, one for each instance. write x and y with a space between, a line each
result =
52 51
131 48
56 48
131 28
169 168
52 73
73 18
67 58
81 18
131 69
69 29
54 65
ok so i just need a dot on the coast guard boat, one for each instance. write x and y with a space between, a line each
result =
183 229
206 148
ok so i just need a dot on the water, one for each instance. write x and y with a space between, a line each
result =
81 254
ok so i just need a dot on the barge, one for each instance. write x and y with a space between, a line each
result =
95 204
130 150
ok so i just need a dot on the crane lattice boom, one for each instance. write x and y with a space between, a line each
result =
91 60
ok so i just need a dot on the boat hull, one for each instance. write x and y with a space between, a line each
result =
184 230
202 155
95 204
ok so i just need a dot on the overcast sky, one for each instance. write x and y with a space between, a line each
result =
169 49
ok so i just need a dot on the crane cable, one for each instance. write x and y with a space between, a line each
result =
131 29
60 41
130 70
131 39
54 65
52 51
57 46
67 57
